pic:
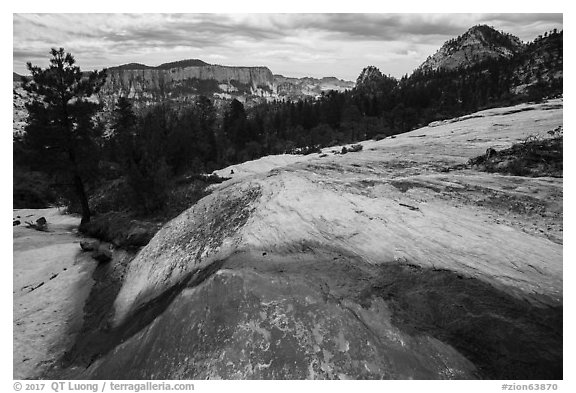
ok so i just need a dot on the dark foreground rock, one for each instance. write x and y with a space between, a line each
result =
40 225
258 316
121 230
89 244
103 253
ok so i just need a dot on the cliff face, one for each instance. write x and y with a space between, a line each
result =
295 88
181 79
188 78
151 83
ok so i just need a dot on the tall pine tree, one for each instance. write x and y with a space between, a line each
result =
61 134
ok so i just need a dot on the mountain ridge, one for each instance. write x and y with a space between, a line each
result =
525 68
477 44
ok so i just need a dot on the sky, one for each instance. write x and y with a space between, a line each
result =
296 45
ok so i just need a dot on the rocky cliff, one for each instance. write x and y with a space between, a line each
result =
186 78
475 45
296 88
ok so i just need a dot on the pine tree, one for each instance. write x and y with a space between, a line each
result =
123 128
61 132
235 124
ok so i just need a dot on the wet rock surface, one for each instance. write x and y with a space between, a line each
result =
504 337
257 316
278 320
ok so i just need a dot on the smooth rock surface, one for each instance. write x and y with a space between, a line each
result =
356 203
52 279
290 269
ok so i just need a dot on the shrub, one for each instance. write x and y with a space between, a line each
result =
148 182
31 190
534 156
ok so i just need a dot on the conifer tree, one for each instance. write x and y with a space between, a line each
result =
60 132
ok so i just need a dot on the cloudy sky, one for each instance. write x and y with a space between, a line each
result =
290 44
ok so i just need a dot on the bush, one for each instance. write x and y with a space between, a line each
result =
148 182
114 195
517 167
533 157
31 190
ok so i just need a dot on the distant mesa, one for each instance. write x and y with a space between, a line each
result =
131 66
165 66
183 63
181 80
174 64
184 79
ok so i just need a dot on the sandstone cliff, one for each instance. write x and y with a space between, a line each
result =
295 88
188 78
181 79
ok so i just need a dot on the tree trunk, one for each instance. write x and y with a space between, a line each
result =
81 193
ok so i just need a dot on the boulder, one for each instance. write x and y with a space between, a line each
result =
103 253
139 236
89 244
40 225
355 148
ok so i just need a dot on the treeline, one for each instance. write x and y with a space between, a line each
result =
381 105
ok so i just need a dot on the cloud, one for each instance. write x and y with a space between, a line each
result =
380 27
293 44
